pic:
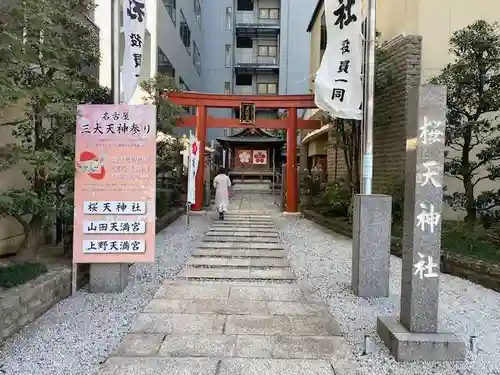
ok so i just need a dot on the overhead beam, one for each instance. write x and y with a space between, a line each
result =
263 123
194 99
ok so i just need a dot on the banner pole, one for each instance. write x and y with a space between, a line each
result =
369 87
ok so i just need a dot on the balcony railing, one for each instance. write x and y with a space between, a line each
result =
244 90
250 19
257 61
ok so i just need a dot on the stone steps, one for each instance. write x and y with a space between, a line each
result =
233 239
237 262
239 253
217 233
232 228
240 245
247 274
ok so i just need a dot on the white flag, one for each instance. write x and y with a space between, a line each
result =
134 28
194 159
338 83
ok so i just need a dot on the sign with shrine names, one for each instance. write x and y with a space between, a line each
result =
134 28
115 184
338 83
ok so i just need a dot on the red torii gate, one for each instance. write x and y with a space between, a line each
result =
202 121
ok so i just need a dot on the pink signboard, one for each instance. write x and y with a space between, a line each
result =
115 184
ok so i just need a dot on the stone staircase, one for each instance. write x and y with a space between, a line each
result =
243 247
209 323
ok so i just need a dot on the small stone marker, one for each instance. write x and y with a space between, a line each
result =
415 336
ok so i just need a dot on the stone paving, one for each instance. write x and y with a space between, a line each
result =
235 309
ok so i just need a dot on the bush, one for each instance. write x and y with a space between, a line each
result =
458 237
18 274
339 199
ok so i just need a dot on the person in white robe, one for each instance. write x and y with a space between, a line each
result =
222 183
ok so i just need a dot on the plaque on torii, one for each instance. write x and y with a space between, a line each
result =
247 113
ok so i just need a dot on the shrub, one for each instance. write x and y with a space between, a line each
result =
338 196
18 274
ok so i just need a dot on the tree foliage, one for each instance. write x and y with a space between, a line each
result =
167 113
472 130
46 49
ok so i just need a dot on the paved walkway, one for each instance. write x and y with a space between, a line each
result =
235 309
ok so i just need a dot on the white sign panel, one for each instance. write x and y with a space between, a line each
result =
113 246
134 28
118 227
194 159
114 208
338 83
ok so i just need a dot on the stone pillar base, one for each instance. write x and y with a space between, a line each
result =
408 346
371 245
108 277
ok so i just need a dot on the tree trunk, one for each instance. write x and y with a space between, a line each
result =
470 201
34 236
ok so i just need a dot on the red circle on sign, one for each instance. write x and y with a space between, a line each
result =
195 149
87 156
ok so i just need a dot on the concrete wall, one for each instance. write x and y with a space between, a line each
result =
215 73
294 44
434 23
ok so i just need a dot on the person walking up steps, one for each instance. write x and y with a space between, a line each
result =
222 183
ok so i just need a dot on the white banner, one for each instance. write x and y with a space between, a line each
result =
134 29
194 158
338 83
224 158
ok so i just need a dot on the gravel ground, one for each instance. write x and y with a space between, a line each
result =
322 260
80 332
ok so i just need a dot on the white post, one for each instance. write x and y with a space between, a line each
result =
115 46
111 277
369 82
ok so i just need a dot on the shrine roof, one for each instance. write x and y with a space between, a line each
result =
251 135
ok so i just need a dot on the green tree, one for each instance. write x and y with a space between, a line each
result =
46 49
167 113
472 131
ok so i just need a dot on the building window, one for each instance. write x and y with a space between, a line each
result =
228 56
269 13
267 88
245 4
271 51
184 87
244 80
244 42
197 10
185 33
229 18
196 58
227 87
171 9
164 65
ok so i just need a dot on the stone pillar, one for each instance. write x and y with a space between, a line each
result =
371 245
201 135
415 335
108 277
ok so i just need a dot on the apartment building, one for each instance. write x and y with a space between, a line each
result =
222 46
256 47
